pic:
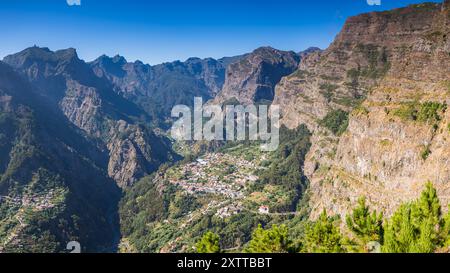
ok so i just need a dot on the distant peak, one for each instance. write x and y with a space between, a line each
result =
35 50
28 55
313 48
70 53
272 51
193 59
310 50
119 59
265 49
107 60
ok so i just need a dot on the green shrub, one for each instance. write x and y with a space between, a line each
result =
336 121
361 110
209 243
426 152
323 236
407 111
430 111
273 240
423 112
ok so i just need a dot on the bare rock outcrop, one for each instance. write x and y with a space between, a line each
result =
253 78
398 136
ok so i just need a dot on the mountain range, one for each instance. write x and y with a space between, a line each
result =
84 148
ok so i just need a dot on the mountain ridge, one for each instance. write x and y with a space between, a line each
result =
90 103
51 200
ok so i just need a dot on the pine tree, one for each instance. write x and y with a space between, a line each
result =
273 240
323 236
209 243
399 233
426 242
445 231
365 226
428 206
416 227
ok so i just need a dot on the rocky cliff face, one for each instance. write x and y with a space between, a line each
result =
90 103
52 185
391 71
253 78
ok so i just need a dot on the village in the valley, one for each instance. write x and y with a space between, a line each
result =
36 202
225 176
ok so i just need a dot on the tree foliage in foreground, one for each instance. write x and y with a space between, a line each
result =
365 225
273 240
323 236
209 243
416 227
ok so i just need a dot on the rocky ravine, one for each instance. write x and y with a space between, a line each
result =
53 187
156 89
254 77
380 64
89 102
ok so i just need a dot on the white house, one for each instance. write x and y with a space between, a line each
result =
264 210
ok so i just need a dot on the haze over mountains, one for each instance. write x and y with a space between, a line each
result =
368 117
111 106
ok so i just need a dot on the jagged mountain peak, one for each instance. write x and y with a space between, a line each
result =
159 87
40 63
117 59
310 50
269 53
40 54
262 49
253 77
67 54
193 59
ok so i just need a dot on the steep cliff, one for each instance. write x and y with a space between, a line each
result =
253 78
53 187
391 71
89 102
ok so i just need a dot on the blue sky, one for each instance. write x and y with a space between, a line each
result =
158 31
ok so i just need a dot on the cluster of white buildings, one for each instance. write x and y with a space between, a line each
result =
210 175
211 188
36 202
197 177
229 211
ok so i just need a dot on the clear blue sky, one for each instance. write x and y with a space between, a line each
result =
166 30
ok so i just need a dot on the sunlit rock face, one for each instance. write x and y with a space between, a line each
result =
378 66
91 103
